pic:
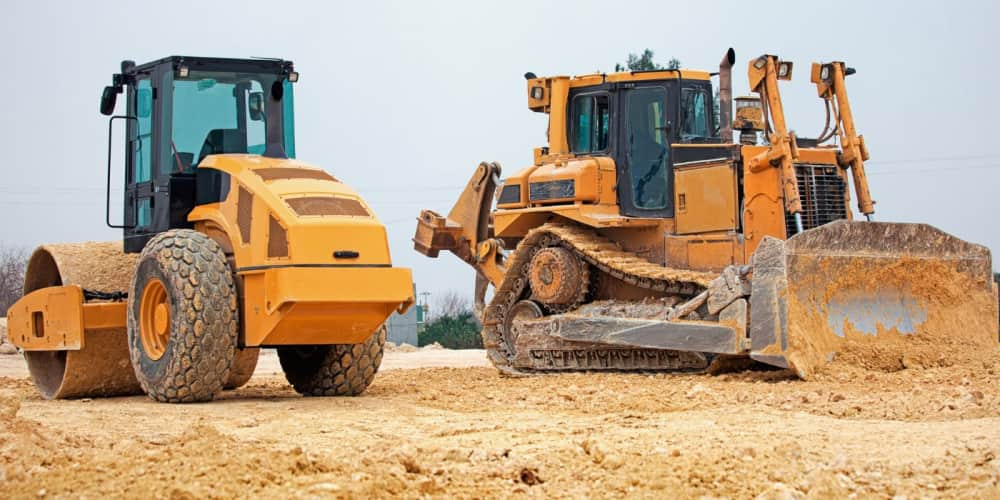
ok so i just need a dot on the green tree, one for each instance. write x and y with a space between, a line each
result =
452 332
641 62
453 325
674 63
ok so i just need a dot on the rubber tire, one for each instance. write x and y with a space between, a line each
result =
204 317
333 370
244 364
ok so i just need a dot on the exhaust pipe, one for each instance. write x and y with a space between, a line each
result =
726 96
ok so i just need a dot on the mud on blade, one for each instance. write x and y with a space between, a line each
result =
882 295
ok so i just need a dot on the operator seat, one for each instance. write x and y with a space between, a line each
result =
223 140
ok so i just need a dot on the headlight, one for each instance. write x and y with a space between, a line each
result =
510 194
785 70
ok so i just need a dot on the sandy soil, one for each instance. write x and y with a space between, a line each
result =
467 432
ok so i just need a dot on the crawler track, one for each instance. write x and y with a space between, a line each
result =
605 258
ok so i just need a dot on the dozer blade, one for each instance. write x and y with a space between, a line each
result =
878 295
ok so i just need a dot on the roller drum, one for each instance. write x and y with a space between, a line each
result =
102 367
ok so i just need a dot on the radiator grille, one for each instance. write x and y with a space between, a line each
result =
551 190
327 205
822 193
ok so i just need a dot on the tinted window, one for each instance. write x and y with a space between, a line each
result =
223 112
143 144
200 106
590 116
694 114
648 147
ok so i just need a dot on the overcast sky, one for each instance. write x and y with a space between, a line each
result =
401 100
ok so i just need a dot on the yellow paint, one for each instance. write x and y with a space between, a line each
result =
783 151
55 319
327 300
834 90
711 186
304 306
704 252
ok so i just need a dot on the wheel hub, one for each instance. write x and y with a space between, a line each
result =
154 319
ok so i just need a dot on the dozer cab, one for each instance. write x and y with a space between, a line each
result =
229 245
643 237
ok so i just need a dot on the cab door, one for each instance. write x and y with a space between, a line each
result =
645 184
138 210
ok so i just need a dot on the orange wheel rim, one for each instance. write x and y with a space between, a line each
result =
154 319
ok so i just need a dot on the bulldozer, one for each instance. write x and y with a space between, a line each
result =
645 236
229 245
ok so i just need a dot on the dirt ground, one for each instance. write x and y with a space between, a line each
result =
442 423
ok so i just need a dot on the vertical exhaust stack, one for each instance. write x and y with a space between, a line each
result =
726 96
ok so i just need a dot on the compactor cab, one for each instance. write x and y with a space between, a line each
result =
643 237
179 111
229 245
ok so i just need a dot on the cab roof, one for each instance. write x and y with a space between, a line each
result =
255 65
637 76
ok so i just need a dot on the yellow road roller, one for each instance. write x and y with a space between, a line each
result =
229 245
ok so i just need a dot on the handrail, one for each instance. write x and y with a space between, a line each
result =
107 194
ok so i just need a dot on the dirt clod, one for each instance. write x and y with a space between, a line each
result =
529 476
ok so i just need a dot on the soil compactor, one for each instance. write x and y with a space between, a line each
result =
229 245
643 238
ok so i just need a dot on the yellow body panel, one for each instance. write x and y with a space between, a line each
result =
698 187
55 319
594 179
324 278
311 239
704 252
516 223
303 306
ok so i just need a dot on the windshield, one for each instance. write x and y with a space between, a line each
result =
224 112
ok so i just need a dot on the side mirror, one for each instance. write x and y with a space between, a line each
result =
108 100
256 106
144 106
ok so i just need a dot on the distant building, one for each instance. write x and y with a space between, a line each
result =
402 328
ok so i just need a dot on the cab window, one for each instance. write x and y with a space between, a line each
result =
590 117
223 112
694 114
648 148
